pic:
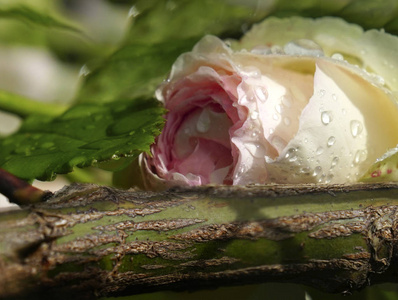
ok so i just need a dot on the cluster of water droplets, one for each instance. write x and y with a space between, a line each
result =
300 47
358 63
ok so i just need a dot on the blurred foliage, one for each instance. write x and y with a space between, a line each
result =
129 64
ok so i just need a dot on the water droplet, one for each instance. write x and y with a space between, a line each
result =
335 161
261 94
303 47
344 112
291 154
360 156
317 171
331 141
329 178
286 120
319 151
326 117
356 128
275 117
261 50
334 97
254 115
321 178
271 131
115 157
203 124
278 108
305 140
255 133
322 93
304 170
337 56
250 72
379 79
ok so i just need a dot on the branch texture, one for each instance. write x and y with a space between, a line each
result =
93 241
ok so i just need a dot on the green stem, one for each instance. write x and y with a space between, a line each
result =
89 241
24 107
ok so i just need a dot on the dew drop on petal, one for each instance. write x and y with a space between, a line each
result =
356 128
278 108
319 151
322 178
317 171
261 94
329 178
261 50
331 141
322 93
251 72
254 133
326 117
275 117
379 79
334 97
291 154
286 121
360 156
271 131
337 56
303 47
254 115
335 161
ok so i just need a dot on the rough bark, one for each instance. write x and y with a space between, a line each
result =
96 241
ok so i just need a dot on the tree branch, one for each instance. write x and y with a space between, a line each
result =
94 241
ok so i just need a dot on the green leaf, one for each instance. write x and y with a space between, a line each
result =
133 70
32 16
84 135
160 31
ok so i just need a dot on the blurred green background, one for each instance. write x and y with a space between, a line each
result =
96 51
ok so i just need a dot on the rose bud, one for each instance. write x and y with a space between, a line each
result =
294 101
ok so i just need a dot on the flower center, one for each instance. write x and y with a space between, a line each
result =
202 145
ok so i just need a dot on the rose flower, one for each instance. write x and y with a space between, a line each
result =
292 102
